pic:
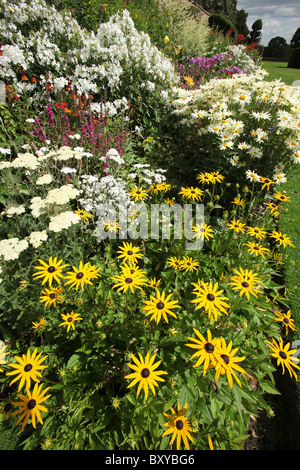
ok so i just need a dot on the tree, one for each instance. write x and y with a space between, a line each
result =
255 34
277 48
241 22
295 41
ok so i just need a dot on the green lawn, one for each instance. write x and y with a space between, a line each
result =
280 70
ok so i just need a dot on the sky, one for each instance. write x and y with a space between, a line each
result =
279 17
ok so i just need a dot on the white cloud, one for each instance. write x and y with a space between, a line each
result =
279 18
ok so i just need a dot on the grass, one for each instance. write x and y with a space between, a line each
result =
278 70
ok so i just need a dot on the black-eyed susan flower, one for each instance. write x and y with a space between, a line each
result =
238 201
128 252
286 320
154 282
3 354
281 197
237 226
174 262
130 278
266 182
145 373
256 249
257 232
49 271
189 264
138 194
285 356
31 406
179 426
50 296
85 216
281 238
40 325
79 276
216 177
191 193
210 299
203 231
6 408
69 320
160 305
204 178
245 281
169 202
227 362
206 349
111 226
29 368
199 286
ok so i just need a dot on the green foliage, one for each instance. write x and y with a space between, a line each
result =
295 41
221 23
255 33
294 60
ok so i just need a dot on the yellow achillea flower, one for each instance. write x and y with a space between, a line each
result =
138 194
191 193
237 226
2 354
245 281
179 426
129 252
257 232
50 296
287 321
203 231
256 249
69 320
206 349
160 306
227 363
83 214
284 356
145 374
31 405
281 238
211 300
28 368
49 271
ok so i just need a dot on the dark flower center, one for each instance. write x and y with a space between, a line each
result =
225 358
145 373
286 320
7 407
160 305
210 297
28 367
31 404
209 348
128 280
179 424
52 296
283 355
69 319
130 252
255 247
79 275
51 269
245 284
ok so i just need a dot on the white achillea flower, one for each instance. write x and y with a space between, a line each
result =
14 210
25 160
11 248
37 206
45 179
37 238
61 195
63 221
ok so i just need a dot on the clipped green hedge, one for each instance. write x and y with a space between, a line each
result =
294 61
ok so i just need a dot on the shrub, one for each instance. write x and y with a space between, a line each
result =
294 60
222 24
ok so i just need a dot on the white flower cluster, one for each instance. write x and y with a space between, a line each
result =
13 210
44 179
37 238
63 221
225 108
57 197
23 160
91 61
11 248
